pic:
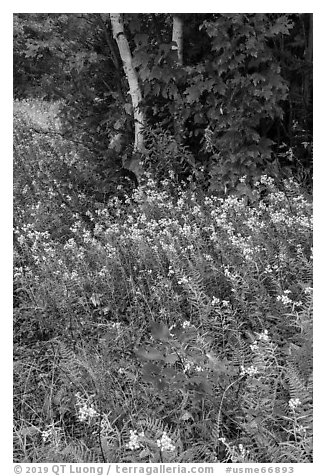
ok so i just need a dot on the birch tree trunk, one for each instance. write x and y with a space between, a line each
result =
134 90
177 37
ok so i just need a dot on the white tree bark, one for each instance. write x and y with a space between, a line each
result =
134 90
177 37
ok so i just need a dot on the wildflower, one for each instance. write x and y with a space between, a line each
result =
254 346
133 443
263 336
248 371
284 298
103 272
45 435
186 324
172 327
308 290
86 411
266 180
215 301
301 430
165 443
294 403
268 269
243 451
51 433
116 325
48 432
187 366
171 271
21 239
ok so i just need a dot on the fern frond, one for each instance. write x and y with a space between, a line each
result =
154 426
216 432
193 283
199 453
78 452
69 362
110 448
297 387
240 350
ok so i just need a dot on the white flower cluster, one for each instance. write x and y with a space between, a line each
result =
183 280
284 298
264 179
86 410
243 450
133 443
171 271
223 303
254 346
186 324
215 301
264 336
308 290
115 325
46 434
189 365
51 433
248 371
294 403
165 443
86 413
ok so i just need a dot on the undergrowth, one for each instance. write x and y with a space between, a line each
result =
162 326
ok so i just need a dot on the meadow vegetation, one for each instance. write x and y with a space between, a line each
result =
160 325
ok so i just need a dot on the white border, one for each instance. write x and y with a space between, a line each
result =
319 183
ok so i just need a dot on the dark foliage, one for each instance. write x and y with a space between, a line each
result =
241 103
